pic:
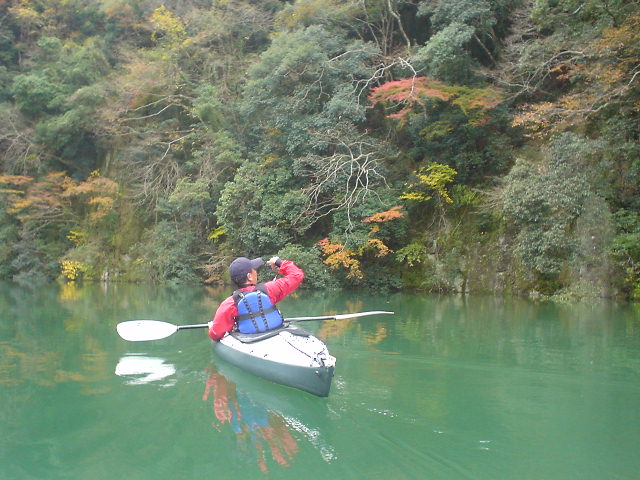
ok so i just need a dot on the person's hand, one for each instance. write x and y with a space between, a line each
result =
274 263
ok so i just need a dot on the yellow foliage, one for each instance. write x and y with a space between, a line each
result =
103 203
434 179
165 21
329 248
33 201
93 185
20 205
15 179
69 292
345 259
337 256
77 238
269 159
378 245
26 14
10 191
216 233
271 132
72 269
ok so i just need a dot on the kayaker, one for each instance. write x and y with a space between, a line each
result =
252 308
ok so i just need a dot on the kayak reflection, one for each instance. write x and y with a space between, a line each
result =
260 431
256 428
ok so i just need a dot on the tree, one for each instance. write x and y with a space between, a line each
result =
304 82
380 22
462 21
626 249
364 255
444 56
40 219
19 154
258 212
579 79
416 95
58 94
543 202
450 124
340 181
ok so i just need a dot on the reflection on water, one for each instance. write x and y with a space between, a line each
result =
263 415
258 431
140 369
261 433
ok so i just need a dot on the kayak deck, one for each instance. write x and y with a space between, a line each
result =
289 356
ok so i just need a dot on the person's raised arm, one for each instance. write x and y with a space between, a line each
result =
292 277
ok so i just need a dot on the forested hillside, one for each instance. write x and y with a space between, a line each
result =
435 145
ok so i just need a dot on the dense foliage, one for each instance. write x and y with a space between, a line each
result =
461 145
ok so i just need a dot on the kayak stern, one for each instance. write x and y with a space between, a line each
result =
293 360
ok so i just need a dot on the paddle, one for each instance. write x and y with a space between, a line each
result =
337 317
143 330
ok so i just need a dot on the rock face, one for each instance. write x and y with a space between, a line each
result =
492 265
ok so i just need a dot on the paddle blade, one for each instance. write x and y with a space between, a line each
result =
336 317
361 314
142 330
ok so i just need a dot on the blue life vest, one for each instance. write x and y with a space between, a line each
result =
256 313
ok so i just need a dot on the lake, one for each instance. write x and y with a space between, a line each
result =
449 387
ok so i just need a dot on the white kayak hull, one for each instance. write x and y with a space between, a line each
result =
289 356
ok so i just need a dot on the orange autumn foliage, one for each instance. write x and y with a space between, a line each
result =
606 75
412 95
386 216
35 201
338 256
97 191
40 202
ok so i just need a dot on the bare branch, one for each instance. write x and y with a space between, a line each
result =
150 115
157 175
16 146
635 74
381 72
395 15
342 180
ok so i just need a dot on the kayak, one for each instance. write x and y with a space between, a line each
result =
288 355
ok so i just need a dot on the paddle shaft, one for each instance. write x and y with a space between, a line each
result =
308 319
294 319
301 319
187 327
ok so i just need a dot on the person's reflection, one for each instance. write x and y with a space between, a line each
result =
256 428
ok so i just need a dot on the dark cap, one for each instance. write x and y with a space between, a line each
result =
242 266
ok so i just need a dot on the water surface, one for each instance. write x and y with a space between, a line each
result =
448 388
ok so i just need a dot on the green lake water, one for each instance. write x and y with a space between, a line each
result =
447 388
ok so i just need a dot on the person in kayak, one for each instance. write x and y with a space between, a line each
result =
252 308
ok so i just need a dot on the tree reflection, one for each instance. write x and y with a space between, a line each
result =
258 431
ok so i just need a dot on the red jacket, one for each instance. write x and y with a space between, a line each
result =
225 317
